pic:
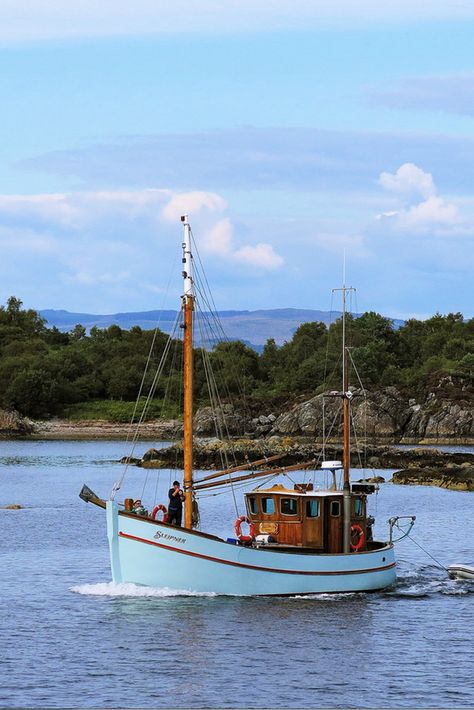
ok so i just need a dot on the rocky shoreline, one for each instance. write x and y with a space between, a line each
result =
454 478
61 429
445 416
386 417
413 466
213 454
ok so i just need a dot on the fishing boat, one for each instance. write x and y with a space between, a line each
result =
301 539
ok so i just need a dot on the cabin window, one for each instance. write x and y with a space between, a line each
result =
335 509
358 507
268 506
312 508
253 505
289 506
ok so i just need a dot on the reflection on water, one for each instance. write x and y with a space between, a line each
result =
77 640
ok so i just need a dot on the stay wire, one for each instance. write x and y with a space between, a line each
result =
216 407
118 484
156 330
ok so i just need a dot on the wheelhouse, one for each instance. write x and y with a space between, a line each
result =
304 518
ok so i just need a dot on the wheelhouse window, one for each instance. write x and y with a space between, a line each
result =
252 505
289 506
312 508
335 509
358 507
268 506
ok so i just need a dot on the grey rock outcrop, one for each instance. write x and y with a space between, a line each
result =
13 424
385 414
225 421
441 419
456 478
213 453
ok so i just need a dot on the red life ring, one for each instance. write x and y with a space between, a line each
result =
357 530
163 510
238 529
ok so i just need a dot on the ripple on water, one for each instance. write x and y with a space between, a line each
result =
77 640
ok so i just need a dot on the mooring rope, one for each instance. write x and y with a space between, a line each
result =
427 553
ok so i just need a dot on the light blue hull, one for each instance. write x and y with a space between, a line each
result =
158 555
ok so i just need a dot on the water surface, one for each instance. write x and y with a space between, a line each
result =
70 638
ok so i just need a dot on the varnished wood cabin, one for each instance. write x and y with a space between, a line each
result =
305 518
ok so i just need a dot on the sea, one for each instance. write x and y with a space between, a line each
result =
72 639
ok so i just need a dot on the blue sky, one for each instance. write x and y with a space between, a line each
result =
290 132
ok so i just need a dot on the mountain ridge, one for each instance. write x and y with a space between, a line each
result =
253 327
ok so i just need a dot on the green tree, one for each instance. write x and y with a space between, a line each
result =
78 332
29 321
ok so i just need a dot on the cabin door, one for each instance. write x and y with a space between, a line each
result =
313 523
333 524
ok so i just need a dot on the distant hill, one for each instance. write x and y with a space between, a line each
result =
253 327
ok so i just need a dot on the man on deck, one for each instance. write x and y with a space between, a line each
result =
175 507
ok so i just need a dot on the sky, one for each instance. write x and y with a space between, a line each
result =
297 135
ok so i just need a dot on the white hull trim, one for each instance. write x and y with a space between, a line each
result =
158 555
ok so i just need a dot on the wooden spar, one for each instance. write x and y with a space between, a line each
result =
347 467
346 536
243 467
346 429
188 308
346 400
255 474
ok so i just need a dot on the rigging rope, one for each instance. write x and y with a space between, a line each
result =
164 355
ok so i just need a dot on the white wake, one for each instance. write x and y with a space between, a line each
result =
128 589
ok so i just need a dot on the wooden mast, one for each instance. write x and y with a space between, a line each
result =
346 400
346 427
188 308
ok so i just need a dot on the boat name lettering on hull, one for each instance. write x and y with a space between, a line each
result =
166 536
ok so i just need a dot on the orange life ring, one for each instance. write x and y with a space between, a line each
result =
357 530
163 509
238 529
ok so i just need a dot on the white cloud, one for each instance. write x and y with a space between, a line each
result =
433 213
261 255
408 180
107 242
75 209
55 207
219 240
192 203
33 20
